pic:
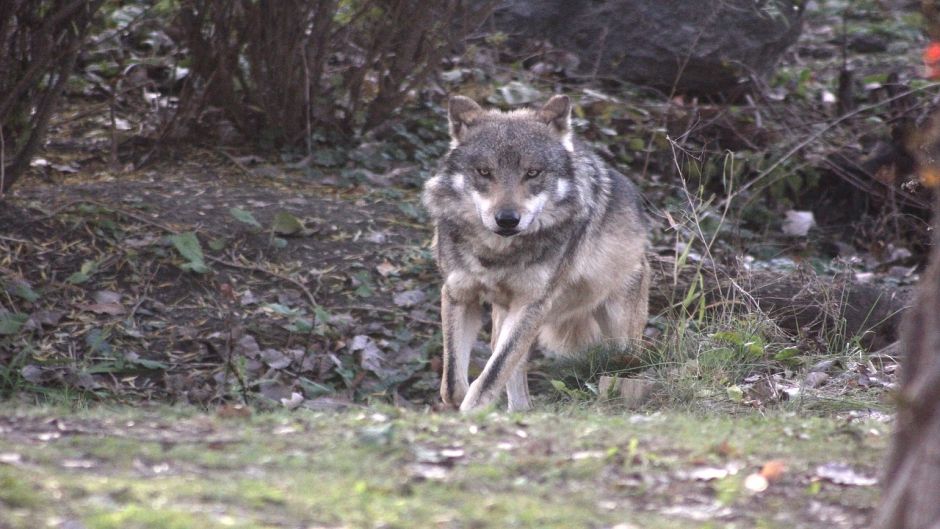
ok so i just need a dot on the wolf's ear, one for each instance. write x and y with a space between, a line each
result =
462 112
557 113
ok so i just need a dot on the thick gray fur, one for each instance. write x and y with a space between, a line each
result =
571 274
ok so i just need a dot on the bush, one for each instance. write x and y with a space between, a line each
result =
289 68
39 42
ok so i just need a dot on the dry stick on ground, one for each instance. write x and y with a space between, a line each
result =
241 167
261 269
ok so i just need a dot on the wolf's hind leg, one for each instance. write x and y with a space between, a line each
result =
622 318
461 324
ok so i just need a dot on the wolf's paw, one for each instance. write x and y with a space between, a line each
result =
475 400
454 396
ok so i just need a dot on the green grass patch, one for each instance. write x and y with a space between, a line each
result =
573 466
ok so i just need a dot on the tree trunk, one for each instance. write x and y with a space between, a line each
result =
911 495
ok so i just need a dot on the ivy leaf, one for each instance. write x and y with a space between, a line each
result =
287 224
87 270
11 322
245 216
21 289
188 246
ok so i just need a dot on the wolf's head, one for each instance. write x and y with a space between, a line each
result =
511 170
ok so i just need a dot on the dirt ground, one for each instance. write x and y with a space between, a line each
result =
316 267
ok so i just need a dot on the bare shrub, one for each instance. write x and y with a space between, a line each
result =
281 69
39 42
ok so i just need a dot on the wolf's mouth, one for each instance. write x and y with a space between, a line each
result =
507 232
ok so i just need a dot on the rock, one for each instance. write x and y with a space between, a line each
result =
630 392
713 44
815 379
868 43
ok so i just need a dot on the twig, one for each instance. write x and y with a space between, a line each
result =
371 308
238 164
272 273
816 135
110 207
14 239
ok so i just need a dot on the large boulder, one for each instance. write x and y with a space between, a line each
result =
700 46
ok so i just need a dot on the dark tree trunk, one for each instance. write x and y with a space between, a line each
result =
911 495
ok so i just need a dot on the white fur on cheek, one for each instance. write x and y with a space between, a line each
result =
561 189
483 205
483 209
567 142
533 207
433 183
458 182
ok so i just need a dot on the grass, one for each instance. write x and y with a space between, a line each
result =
565 466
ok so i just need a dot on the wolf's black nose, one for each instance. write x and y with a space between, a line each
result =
507 218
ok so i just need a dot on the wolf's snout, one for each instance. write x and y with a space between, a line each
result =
507 218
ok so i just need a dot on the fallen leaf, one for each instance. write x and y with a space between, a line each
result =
187 244
44 318
773 469
247 346
756 483
32 373
232 411
428 472
287 224
370 356
712 473
113 309
386 269
10 458
798 223
275 358
409 298
107 296
248 298
244 216
11 322
295 400
519 93
842 474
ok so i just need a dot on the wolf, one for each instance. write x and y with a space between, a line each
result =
534 224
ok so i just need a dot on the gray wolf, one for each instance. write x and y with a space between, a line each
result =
534 224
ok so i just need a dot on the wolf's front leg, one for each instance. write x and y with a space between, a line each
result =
461 322
516 336
517 388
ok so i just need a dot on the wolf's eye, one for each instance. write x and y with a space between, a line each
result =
532 173
485 173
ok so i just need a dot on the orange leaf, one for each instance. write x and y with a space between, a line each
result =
773 469
930 175
932 53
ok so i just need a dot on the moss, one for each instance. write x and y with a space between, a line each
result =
16 492
137 517
312 469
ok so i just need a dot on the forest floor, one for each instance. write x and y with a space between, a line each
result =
323 318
